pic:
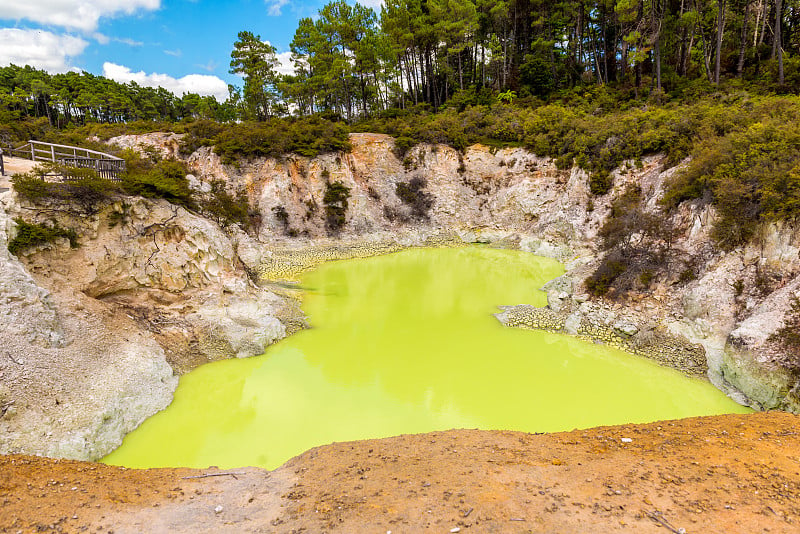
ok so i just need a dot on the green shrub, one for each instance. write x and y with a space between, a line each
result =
628 225
32 188
748 167
600 182
335 201
738 287
403 144
166 179
283 217
198 134
30 235
81 189
413 194
307 136
228 209
687 275
601 280
638 245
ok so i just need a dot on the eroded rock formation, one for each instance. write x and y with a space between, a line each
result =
154 289
94 338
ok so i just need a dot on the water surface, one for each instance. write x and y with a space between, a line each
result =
406 343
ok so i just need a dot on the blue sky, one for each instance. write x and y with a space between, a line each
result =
183 45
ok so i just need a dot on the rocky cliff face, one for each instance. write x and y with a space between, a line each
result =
76 377
92 338
731 306
509 190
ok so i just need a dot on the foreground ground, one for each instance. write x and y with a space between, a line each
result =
13 166
738 473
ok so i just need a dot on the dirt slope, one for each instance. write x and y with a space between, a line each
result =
738 473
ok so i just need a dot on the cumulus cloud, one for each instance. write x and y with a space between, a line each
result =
274 7
201 84
40 49
285 63
80 15
101 38
374 4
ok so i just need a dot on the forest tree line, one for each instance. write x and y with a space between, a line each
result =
352 63
79 98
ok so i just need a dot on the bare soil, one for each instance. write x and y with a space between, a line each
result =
13 166
734 473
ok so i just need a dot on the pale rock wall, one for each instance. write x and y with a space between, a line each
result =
164 144
26 310
97 335
508 190
74 378
514 198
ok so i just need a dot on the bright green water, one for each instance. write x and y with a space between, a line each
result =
406 343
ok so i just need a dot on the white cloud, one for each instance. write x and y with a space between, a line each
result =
101 38
201 84
274 7
285 63
80 15
211 66
374 4
127 40
40 49
105 39
174 53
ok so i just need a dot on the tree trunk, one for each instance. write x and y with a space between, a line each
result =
460 76
505 56
597 59
720 31
743 39
658 64
706 52
763 23
624 61
682 50
604 44
777 45
483 66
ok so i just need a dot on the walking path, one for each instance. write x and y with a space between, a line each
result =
13 166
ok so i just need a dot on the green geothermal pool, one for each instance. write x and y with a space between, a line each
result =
406 343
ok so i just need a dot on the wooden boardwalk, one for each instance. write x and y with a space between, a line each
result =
107 166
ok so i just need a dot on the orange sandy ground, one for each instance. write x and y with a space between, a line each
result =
736 473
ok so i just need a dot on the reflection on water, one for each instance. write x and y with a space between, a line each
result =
406 343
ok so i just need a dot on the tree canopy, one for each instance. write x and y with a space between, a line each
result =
353 63
79 98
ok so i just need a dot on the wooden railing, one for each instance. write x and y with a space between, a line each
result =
107 166
110 169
